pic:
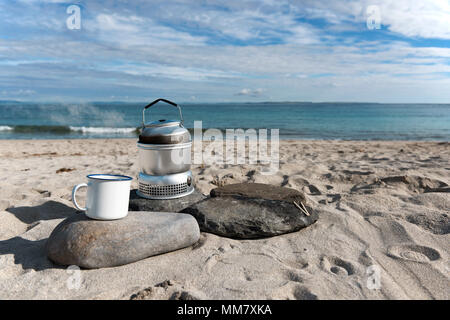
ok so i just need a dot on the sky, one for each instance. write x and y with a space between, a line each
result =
395 51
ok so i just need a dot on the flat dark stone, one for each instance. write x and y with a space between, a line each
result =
173 205
259 190
248 211
89 243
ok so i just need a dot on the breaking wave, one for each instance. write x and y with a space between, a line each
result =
61 130
103 130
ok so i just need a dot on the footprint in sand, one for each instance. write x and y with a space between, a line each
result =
168 290
303 293
338 266
293 291
413 252
293 276
433 222
216 257
297 262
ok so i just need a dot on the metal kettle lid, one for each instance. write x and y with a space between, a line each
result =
163 131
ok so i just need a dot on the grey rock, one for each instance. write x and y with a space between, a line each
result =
259 190
89 243
174 205
248 211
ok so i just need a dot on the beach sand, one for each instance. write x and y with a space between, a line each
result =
373 220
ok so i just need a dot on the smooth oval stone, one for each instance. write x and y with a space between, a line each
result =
89 243
248 211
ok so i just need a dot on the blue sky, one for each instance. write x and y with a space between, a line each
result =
216 51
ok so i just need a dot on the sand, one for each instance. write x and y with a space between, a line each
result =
369 225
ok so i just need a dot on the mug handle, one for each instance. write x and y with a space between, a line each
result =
74 191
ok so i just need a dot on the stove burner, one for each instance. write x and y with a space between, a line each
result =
165 187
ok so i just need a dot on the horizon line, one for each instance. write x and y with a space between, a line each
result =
217 102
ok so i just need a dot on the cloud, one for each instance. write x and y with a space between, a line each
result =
422 19
18 93
118 23
133 30
172 72
250 92
295 50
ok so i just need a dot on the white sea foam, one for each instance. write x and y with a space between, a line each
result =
102 130
6 128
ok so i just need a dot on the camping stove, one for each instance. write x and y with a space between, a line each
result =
164 148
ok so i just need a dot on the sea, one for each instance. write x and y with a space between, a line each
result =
295 120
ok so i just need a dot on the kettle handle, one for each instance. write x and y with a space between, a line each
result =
163 100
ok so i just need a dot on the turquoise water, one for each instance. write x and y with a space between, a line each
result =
344 121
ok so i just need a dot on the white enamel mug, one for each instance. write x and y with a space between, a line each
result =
107 198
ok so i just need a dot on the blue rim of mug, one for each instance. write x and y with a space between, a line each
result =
119 177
